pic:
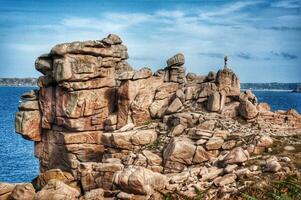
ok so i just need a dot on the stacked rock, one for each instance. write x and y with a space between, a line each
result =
176 69
107 130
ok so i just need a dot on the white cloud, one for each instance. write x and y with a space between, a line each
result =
153 37
228 9
288 4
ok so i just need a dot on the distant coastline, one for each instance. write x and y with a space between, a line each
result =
285 87
19 82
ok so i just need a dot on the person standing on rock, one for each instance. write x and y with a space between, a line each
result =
225 61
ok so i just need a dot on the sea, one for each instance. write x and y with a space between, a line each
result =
17 161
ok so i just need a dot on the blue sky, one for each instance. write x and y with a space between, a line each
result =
261 38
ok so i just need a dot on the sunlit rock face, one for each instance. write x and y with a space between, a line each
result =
103 129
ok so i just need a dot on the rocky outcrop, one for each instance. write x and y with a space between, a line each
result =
104 130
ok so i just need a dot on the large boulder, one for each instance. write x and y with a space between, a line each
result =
28 124
44 64
176 69
176 60
139 180
6 190
57 190
134 100
23 191
247 110
57 174
175 105
179 150
228 82
214 102
96 194
236 155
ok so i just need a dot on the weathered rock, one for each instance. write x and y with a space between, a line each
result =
57 174
44 64
23 191
112 39
214 143
28 124
127 75
152 159
229 144
230 168
206 89
289 148
111 120
237 155
179 177
134 100
143 137
231 109
228 82
122 139
247 110
225 180
153 124
179 150
29 106
96 194
6 190
201 155
210 174
30 96
79 67
263 107
139 180
174 106
214 102
178 130
177 74
166 90
96 48
265 141
57 190
211 76
142 73
177 59
272 165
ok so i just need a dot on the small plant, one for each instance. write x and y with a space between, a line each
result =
155 145
199 194
287 189
168 197
147 122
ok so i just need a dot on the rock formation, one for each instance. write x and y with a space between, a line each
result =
104 130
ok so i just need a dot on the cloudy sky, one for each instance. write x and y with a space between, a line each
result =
261 38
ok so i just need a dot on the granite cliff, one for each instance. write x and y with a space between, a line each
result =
105 131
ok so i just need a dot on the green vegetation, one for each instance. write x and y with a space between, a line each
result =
155 145
147 122
287 189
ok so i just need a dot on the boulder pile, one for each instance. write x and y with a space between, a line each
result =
105 131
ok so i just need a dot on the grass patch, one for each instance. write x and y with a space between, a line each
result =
287 189
155 145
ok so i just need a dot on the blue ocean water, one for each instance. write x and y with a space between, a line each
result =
280 100
17 162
